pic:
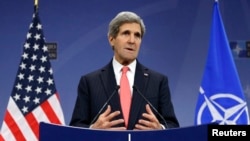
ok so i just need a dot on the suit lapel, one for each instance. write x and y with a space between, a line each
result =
109 83
141 80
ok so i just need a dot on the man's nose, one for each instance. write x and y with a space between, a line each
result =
132 38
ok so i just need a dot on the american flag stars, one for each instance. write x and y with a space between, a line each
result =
34 72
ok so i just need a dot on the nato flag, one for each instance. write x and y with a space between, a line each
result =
221 99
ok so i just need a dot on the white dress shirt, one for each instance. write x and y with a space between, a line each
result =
130 73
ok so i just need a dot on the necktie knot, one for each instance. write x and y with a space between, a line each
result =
125 69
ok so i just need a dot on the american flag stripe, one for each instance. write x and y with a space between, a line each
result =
51 114
54 102
20 122
1 137
7 132
33 123
43 114
30 119
16 125
39 114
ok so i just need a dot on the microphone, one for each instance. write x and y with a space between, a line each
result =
105 104
151 106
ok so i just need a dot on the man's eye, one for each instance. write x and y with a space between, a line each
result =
138 35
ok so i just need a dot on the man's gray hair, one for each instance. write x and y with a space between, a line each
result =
124 17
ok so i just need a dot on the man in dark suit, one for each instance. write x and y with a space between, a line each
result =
151 105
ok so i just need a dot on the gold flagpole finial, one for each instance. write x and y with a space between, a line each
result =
36 5
36 2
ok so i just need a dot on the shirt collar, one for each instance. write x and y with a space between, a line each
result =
117 66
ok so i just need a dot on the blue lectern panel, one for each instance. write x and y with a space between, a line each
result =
51 132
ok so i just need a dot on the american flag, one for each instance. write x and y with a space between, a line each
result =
34 97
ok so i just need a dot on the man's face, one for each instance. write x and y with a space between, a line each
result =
127 43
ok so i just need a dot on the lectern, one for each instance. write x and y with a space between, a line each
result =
53 132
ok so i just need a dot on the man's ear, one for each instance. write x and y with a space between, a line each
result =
111 39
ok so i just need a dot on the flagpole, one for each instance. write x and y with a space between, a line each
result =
36 5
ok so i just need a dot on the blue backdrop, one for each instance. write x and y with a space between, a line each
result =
176 42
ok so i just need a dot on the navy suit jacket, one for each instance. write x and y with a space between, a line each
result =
96 87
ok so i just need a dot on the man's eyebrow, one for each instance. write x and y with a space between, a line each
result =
128 31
